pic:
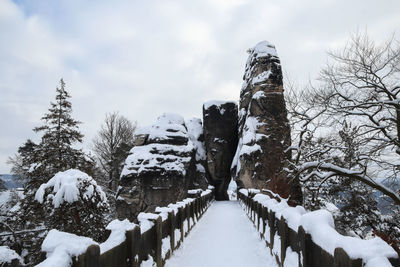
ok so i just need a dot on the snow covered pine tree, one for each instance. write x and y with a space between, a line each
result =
74 203
40 162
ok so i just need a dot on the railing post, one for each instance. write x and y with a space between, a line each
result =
200 206
264 218
136 240
192 213
272 229
253 209
171 216
187 211
305 247
259 216
158 225
92 256
283 230
342 259
197 208
133 242
203 206
181 224
198 212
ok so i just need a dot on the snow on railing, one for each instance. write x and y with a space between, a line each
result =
151 242
9 258
297 237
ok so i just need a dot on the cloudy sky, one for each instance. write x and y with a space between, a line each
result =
143 58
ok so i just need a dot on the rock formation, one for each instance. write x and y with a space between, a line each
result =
264 132
159 169
200 178
220 133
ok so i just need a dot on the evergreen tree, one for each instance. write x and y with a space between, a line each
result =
60 132
40 162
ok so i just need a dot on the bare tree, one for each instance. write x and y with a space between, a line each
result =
112 145
361 84
347 128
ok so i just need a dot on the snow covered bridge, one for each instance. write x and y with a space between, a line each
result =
223 237
281 236
260 229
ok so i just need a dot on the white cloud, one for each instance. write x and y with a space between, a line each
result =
145 58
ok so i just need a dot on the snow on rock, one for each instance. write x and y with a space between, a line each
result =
320 224
157 157
159 169
200 168
168 126
260 78
159 153
248 142
66 187
195 131
263 49
168 148
8 255
61 247
217 103
263 128
118 234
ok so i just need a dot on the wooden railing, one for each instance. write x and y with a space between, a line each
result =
307 253
155 244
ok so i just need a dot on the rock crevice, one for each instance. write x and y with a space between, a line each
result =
220 132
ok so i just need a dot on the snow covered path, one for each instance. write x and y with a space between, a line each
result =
224 236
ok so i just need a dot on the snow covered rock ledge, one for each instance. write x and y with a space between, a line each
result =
160 168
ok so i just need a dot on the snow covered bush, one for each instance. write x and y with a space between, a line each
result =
74 203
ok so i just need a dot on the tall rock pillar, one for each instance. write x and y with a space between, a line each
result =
220 120
264 132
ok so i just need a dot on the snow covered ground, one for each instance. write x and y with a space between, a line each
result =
223 237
